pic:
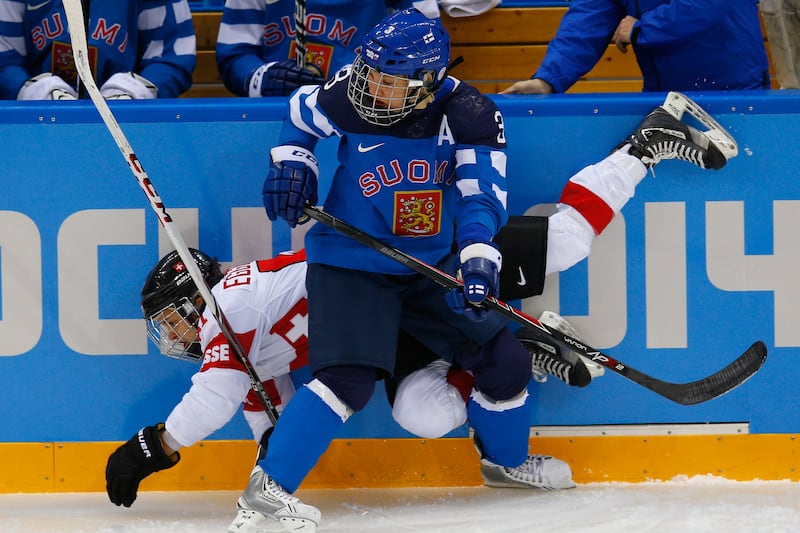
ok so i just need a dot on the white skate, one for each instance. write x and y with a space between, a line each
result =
265 507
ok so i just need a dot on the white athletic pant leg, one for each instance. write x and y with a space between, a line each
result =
427 405
590 200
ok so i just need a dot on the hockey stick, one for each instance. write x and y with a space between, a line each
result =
74 12
300 49
691 393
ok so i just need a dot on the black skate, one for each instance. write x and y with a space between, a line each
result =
546 360
662 135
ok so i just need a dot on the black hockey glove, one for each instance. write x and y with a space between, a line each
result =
281 78
135 460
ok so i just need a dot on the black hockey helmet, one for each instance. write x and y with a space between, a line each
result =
172 305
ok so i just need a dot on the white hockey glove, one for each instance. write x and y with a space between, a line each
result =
128 86
46 86
467 8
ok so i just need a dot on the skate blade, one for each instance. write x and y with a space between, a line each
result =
677 103
248 521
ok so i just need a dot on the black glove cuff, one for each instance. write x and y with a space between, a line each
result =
149 439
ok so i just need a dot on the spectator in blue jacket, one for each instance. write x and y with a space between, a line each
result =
680 45
138 49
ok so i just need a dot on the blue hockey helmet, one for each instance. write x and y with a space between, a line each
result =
403 59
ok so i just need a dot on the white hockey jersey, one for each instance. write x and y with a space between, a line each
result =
266 306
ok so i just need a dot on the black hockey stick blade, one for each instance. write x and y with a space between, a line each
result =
714 385
691 393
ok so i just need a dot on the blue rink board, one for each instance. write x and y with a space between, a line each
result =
77 238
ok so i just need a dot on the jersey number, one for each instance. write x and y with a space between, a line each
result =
501 134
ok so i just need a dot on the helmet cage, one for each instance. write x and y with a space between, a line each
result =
173 329
403 59
399 94
171 303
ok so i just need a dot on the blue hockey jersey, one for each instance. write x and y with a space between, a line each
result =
680 45
253 33
153 38
412 184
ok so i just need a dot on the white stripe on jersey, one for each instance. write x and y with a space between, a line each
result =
182 11
466 157
240 34
185 46
152 19
154 49
502 196
12 43
11 11
245 4
304 102
499 160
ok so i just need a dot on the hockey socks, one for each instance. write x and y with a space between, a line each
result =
501 428
302 434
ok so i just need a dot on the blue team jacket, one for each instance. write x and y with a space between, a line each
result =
154 38
682 45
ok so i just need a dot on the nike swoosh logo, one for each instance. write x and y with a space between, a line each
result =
522 281
37 6
365 149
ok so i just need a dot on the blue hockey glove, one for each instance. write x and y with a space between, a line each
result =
291 184
281 78
480 269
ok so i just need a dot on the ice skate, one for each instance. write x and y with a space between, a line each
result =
547 360
537 472
558 322
662 135
265 506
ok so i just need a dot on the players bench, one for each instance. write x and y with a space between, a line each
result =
499 47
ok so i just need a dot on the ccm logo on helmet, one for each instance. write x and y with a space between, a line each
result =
214 354
431 60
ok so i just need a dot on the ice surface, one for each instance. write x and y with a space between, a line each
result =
699 504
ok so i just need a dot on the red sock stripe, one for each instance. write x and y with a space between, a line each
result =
461 380
592 207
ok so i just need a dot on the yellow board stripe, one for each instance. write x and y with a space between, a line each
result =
363 463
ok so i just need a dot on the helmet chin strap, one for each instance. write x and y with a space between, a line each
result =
425 98
427 95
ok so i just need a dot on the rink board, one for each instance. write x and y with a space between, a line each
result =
698 266
386 463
